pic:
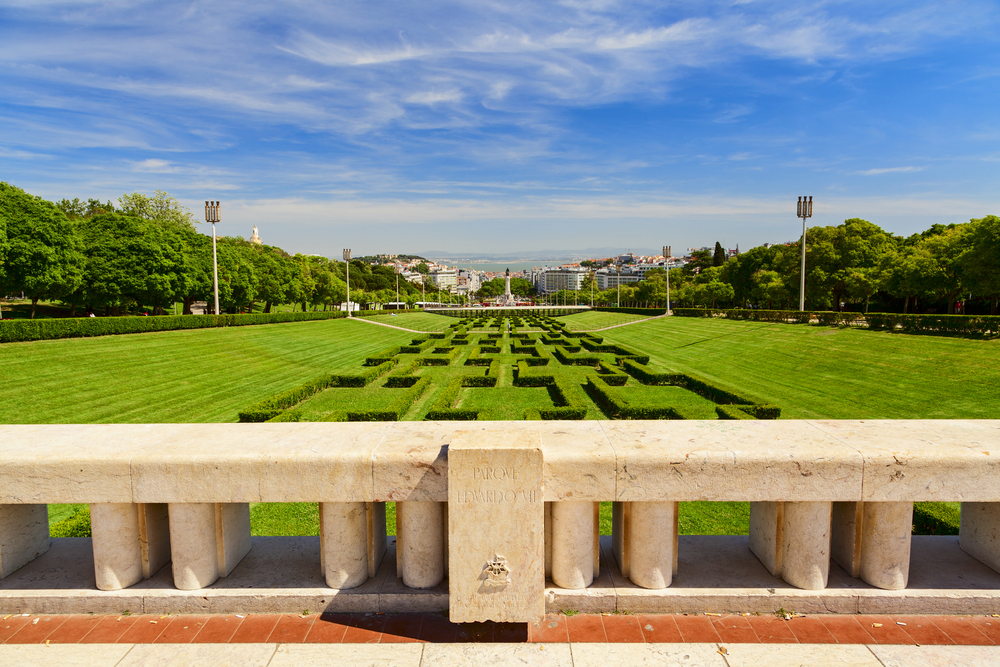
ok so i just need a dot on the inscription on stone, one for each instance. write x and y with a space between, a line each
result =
496 518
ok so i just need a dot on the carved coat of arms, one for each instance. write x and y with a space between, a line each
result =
497 572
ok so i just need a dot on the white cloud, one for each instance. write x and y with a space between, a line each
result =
890 170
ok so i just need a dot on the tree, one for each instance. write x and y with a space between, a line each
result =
700 260
129 261
161 207
719 258
981 262
423 268
43 257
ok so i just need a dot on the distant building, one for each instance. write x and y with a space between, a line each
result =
563 278
255 237
444 278
612 279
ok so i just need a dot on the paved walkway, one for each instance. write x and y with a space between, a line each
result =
275 640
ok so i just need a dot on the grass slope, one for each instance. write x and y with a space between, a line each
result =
588 320
828 373
175 376
418 321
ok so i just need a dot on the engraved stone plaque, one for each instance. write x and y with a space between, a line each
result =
496 527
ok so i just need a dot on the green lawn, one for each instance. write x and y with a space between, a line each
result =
591 319
829 373
204 375
416 320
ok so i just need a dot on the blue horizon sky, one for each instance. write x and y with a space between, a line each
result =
486 127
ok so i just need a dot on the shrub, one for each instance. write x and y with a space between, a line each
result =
76 525
383 356
935 519
635 311
16 331
269 408
397 408
287 416
731 412
618 407
611 375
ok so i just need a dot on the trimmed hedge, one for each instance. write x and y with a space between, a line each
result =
611 375
980 325
383 356
18 331
269 408
731 412
441 410
395 411
566 355
618 407
652 312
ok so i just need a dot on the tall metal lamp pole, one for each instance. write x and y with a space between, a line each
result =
666 266
804 210
347 260
212 214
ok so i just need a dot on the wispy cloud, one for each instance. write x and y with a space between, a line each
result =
890 170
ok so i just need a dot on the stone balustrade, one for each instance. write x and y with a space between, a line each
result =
528 491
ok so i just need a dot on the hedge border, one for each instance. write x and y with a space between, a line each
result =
20 331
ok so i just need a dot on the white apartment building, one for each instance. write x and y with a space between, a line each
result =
563 278
612 279
444 278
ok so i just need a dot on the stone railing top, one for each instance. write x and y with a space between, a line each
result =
590 460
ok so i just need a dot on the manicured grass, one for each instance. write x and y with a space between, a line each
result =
828 373
416 320
204 375
591 319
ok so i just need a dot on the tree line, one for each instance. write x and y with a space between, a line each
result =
145 252
852 266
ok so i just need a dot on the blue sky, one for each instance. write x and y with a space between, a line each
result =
503 126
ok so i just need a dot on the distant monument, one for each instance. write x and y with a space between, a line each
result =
255 239
507 299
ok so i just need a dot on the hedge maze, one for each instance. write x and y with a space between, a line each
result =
507 367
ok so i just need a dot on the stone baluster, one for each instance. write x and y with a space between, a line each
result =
420 543
343 529
872 541
644 538
131 542
574 556
792 540
24 535
207 541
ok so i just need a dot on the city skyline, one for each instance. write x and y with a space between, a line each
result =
472 128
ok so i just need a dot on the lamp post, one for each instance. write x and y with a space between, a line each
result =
397 287
804 211
347 260
212 210
666 266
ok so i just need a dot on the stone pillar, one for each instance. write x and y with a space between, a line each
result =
979 533
885 544
420 543
573 543
343 534
792 540
872 541
207 541
644 536
24 535
131 541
